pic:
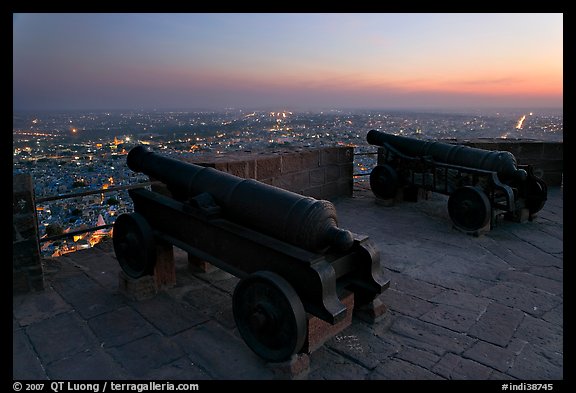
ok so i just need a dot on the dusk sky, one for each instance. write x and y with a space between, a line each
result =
288 61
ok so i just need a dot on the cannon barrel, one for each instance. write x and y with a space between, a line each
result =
501 162
302 221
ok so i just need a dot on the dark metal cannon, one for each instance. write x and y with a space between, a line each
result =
481 184
291 256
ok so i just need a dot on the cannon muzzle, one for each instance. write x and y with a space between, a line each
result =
302 221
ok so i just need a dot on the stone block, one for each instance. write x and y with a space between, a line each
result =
525 151
91 364
494 356
314 192
553 150
317 176
345 187
295 182
168 316
310 159
332 172
345 154
119 327
297 367
320 331
329 156
397 369
329 190
147 353
24 225
60 337
452 366
291 163
533 360
25 253
430 337
20 284
346 170
268 167
239 168
136 288
221 354
497 325
38 306
25 362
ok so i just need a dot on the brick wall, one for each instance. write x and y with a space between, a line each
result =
27 273
322 173
546 157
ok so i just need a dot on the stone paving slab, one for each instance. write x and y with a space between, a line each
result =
119 327
359 343
462 300
454 318
180 369
26 364
61 336
38 306
494 356
148 353
497 325
397 369
328 365
168 316
91 364
542 334
417 357
221 354
536 363
452 366
429 336
406 304
530 300
87 296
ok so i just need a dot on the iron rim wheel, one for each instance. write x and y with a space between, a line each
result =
384 181
134 245
270 316
469 208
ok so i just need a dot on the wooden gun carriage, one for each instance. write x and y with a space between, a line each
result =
292 258
481 184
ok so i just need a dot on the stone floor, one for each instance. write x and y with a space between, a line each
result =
460 307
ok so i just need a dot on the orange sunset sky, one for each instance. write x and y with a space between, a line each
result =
293 61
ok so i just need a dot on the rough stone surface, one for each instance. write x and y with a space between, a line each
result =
459 307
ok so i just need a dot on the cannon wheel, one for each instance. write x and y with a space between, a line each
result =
384 181
537 195
269 315
134 245
469 208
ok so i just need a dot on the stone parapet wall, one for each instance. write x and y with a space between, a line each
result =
27 273
547 158
322 173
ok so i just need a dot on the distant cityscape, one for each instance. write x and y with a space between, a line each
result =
72 152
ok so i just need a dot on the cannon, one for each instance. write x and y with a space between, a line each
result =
287 249
481 184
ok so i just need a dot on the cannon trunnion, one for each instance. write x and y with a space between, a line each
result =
481 184
291 257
